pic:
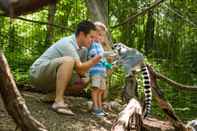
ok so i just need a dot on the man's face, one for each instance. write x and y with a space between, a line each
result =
88 39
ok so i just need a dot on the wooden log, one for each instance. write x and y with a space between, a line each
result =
153 124
15 8
129 118
13 100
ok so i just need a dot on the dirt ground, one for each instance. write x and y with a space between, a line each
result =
83 120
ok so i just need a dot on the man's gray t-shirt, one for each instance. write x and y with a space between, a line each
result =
66 46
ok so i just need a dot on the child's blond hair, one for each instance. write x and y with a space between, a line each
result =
100 24
105 44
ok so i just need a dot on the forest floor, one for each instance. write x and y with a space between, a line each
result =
83 120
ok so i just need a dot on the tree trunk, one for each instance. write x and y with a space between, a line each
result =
15 8
51 15
13 100
99 12
149 35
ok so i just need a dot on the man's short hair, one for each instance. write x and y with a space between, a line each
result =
85 27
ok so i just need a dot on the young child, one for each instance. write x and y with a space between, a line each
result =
98 73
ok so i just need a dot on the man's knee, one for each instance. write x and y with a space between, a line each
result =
66 65
68 59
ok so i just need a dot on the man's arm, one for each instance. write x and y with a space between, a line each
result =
82 68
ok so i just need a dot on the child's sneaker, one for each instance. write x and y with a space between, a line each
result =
101 109
98 112
105 113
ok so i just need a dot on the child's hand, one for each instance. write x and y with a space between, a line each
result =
109 72
108 54
110 59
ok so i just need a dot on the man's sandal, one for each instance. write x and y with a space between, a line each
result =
62 110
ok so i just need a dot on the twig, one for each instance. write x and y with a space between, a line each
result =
172 82
129 19
40 22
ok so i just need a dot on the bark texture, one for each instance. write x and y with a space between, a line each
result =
14 102
15 8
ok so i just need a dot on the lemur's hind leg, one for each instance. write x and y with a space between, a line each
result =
129 88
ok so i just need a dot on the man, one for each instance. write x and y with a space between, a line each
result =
60 64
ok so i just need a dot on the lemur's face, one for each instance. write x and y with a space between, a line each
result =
119 48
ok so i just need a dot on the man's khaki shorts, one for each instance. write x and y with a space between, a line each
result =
43 77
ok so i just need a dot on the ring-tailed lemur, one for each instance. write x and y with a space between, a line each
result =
132 60
192 124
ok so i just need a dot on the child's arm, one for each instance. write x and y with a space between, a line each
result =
107 54
106 64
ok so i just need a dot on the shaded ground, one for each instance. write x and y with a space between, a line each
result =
82 121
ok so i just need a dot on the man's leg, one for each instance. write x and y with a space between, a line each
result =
64 74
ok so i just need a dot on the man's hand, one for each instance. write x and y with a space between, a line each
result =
82 68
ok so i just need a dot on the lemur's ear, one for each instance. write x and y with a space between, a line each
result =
114 46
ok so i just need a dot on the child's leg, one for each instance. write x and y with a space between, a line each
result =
100 101
102 91
94 95
96 99
97 96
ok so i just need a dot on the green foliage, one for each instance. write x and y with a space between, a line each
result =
116 82
173 53
183 102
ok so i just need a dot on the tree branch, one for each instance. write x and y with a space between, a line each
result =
15 8
40 22
164 104
172 82
139 13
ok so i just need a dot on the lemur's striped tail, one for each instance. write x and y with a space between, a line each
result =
147 90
